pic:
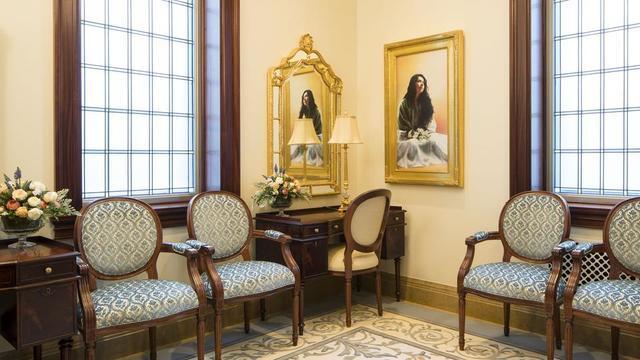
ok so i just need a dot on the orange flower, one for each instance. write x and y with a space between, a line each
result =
12 204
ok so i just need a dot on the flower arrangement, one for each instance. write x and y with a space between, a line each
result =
279 187
24 202
419 134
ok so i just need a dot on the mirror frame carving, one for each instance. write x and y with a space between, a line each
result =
302 60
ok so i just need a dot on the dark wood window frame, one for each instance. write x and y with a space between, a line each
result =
67 121
528 114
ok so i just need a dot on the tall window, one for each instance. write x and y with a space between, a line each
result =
596 102
137 90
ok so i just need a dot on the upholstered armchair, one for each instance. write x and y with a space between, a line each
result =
119 238
364 224
220 225
532 228
613 301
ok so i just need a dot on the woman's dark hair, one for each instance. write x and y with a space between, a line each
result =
312 105
424 99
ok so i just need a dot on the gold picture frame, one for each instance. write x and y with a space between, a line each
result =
424 144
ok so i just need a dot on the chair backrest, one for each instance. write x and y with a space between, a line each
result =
118 237
532 223
365 220
622 238
220 219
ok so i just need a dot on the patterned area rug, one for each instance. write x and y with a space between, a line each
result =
391 336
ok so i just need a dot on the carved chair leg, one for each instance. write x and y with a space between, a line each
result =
568 339
347 299
379 292
263 309
550 343
615 342
200 336
247 326
153 354
90 350
217 333
295 316
557 324
461 315
506 308
301 309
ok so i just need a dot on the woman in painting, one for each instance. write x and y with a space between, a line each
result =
419 144
309 109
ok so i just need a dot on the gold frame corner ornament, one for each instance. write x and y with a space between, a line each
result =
304 60
453 43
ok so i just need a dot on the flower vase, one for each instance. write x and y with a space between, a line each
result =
21 228
281 204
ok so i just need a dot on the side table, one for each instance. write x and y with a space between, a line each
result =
38 294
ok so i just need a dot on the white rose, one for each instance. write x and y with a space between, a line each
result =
50 196
279 180
19 194
3 187
33 201
37 187
34 214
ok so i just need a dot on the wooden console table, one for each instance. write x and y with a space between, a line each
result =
38 294
314 230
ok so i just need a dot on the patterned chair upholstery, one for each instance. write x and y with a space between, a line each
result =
220 225
534 227
614 301
119 238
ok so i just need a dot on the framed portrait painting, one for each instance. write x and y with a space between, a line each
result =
424 110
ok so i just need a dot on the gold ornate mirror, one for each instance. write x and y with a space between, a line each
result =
304 85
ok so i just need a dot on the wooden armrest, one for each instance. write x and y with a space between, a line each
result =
272 235
201 247
83 267
582 249
564 247
182 249
481 236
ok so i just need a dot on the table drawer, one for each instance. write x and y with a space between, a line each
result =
46 270
395 218
7 277
314 230
335 227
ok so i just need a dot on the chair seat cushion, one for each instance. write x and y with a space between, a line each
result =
513 280
360 260
613 299
134 301
246 278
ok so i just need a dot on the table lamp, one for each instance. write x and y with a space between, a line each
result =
304 134
345 132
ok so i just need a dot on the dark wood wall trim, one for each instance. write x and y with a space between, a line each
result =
220 167
528 103
230 96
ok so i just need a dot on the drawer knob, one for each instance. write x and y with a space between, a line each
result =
48 270
397 218
336 226
316 230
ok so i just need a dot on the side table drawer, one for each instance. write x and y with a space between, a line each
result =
46 270
46 313
7 277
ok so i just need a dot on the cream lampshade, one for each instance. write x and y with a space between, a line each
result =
303 134
345 132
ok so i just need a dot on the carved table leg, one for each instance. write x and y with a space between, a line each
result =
37 352
65 346
301 325
397 263
263 309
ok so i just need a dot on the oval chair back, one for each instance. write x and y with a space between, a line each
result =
622 238
532 223
365 220
222 220
119 237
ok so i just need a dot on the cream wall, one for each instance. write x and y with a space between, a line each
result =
350 35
